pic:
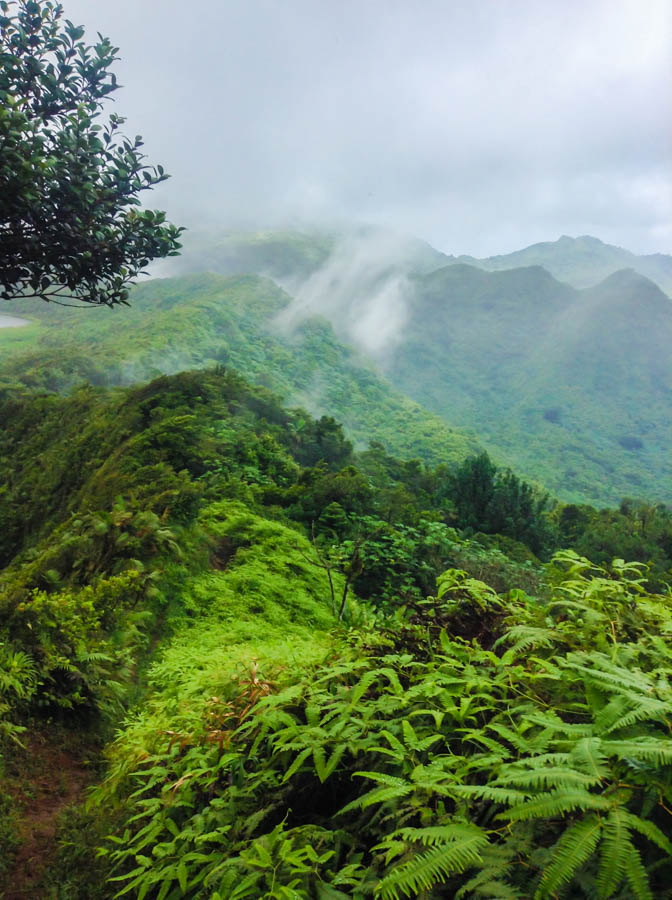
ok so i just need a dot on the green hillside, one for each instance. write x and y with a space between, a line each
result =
574 386
206 320
332 567
570 387
287 670
582 261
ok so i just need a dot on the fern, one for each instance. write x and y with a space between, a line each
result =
588 756
646 748
648 830
436 834
547 776
556 803
426 870
574 848
613 853
636 876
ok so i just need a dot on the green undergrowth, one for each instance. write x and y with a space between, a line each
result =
261 597
416 760
246 610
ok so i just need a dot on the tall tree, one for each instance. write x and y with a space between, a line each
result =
70 185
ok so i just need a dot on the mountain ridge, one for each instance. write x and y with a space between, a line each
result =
570 387
582 261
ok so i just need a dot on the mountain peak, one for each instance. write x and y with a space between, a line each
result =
583 261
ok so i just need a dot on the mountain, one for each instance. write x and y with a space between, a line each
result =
582 261
569 385
207 320
290 255
215 614
573 385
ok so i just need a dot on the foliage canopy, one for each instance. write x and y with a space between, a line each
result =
69 186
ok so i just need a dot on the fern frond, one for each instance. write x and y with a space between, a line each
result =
599 670
489 881
516 739
478 737
636 876
556 803
526 637
649 830
435 834
587 755
610 713
488 792
574 848
613 853
648 749
428 869
551 776
379 795
382 778
556 724
643 709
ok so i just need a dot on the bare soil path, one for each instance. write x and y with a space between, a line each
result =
49 777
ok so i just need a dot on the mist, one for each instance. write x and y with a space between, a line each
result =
362 289
481 127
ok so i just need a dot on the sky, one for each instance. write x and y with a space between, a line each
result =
480 126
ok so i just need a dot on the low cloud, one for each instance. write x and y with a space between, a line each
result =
479 126
363 288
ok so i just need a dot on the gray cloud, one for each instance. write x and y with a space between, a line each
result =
481 125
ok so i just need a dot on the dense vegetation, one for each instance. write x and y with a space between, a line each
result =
202 320
242 656
574 386
570 388
337 673
70 186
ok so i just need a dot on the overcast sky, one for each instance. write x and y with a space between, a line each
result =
482 126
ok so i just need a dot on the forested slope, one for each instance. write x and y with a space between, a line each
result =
575 386
569 386
312 674
582 261
294 660
203 320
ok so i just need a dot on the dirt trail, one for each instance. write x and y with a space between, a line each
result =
53 776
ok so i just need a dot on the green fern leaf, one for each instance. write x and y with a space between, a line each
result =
555 724
551 776
636 876
574 848
587 755
428 869
649 830
643 709
556 803
613 853
649 749
488 792
378 795
436 834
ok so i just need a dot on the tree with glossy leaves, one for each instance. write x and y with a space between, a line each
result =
71 226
